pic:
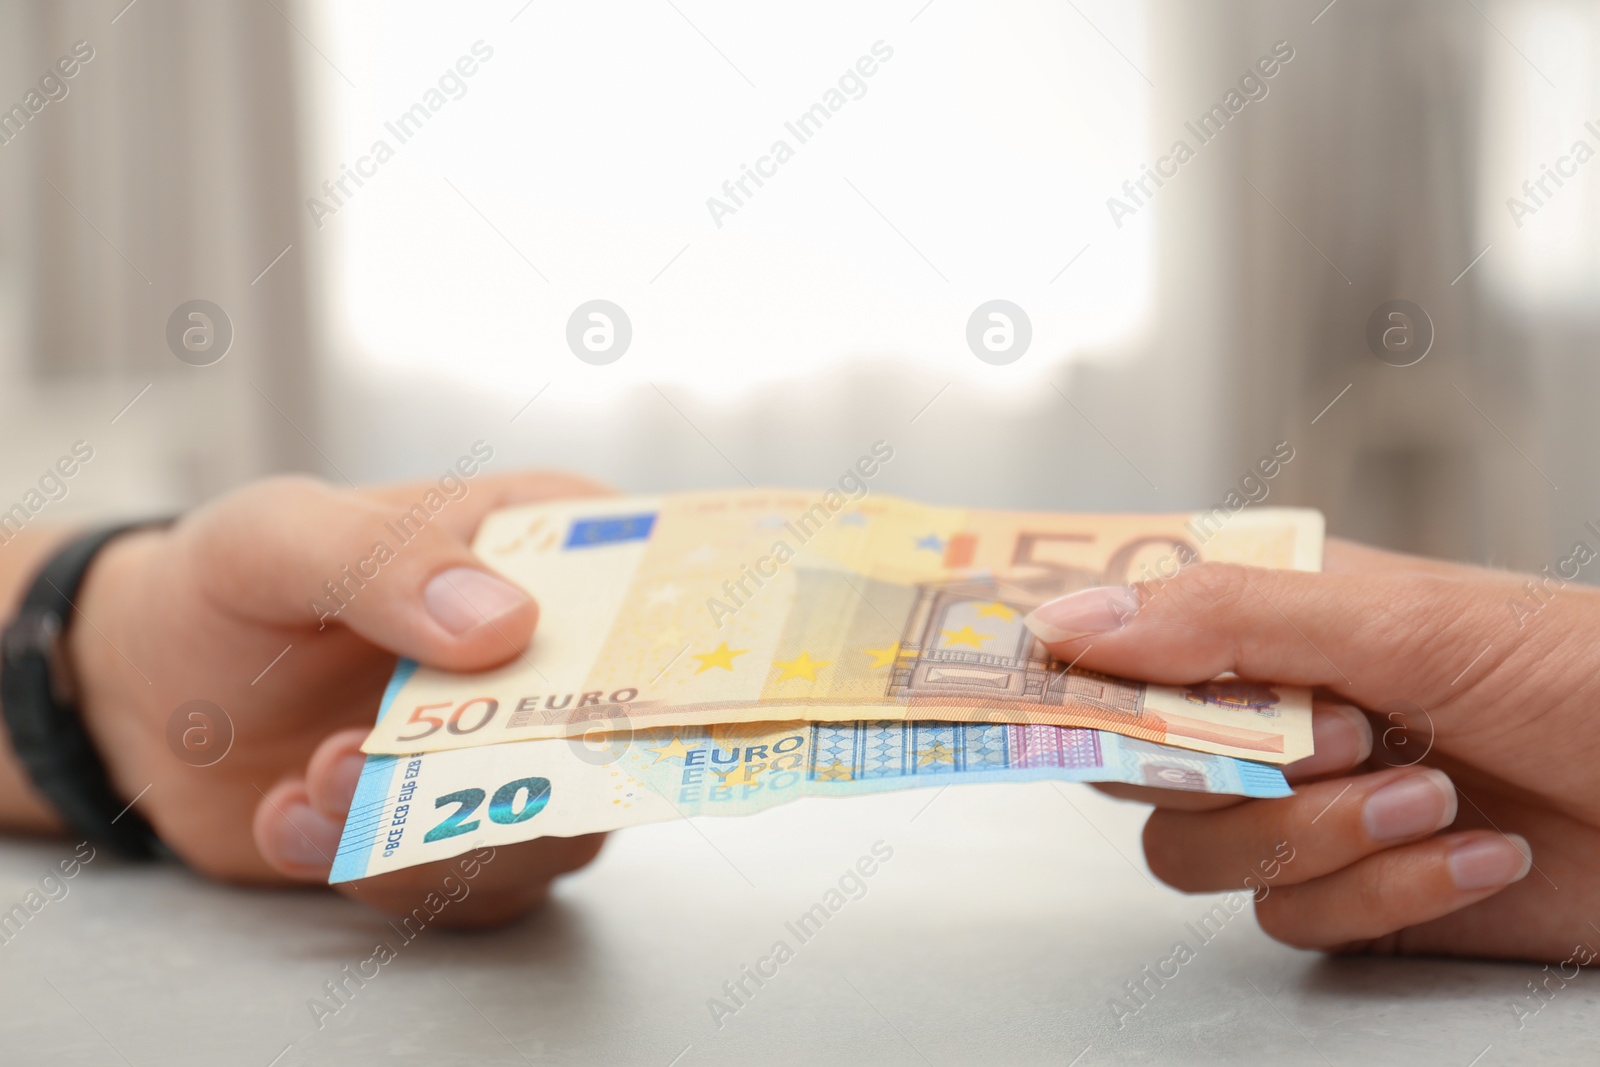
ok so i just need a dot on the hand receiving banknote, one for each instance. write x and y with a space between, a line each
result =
1452 805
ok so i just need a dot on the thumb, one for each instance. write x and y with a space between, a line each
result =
295 552
1369 637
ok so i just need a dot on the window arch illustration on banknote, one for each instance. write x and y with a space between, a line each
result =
1164 767
964 641
1236 694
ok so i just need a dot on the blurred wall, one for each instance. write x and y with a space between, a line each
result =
1378 170
162 170
1352 183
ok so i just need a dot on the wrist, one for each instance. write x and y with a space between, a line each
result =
103 653
63 762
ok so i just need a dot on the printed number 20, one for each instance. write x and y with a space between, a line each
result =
502 807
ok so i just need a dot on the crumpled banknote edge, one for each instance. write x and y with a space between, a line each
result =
377 775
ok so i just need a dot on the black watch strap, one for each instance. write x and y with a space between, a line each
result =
47 729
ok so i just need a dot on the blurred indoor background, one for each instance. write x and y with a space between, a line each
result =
381 329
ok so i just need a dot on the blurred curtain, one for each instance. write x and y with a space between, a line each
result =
1352 183
168 172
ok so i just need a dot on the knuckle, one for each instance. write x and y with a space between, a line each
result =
1413 604
216 528
284 491
1373 901
1295 819
1425 619
1209 587
266 522
1360 911
1167 854
1280 920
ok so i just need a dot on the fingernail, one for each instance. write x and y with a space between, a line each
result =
342 781
1340 737
1490 861
1419 803
305 839
465 598
1082 614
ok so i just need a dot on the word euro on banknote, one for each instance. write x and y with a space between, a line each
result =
432 806
756 605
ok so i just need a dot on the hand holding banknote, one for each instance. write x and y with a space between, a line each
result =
221 608
1479 690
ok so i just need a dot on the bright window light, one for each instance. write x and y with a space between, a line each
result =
1540 163
597 151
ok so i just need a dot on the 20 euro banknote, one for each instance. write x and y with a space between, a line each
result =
776 605
431 806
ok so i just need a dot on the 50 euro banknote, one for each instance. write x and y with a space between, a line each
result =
432 806
776 605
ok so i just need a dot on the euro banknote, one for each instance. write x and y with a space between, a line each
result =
778 605
431 806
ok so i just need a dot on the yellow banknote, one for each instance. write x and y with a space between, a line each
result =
758 605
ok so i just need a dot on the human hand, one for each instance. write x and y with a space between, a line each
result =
1394 850
222 607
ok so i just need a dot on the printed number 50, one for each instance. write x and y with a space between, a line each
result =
490 706
502 807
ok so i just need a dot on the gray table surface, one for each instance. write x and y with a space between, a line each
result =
1005 923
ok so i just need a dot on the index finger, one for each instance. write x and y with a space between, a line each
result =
1404 628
